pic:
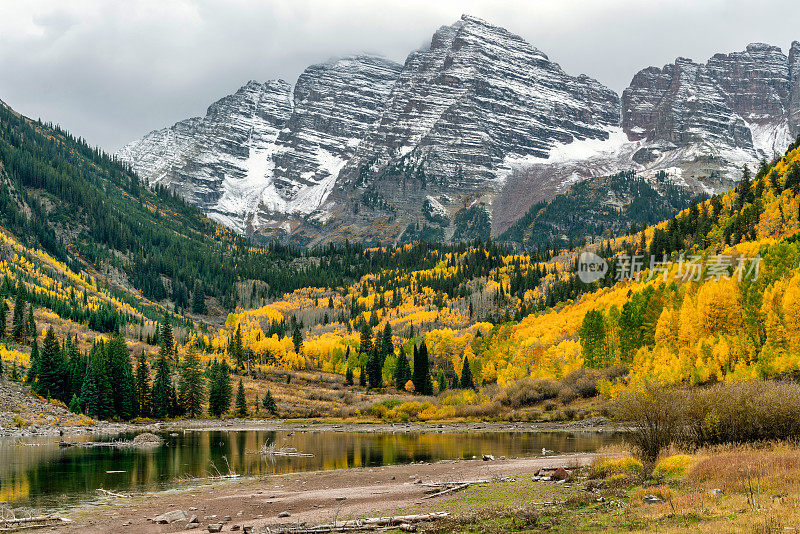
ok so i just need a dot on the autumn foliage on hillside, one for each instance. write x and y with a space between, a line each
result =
667 325
716 299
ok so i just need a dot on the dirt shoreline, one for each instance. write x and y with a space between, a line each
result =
311 497
111 428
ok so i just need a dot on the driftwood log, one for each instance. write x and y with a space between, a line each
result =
23 523
361 525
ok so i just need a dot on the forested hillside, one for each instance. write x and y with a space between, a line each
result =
102 277
600 208
691 328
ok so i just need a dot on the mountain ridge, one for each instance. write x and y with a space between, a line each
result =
478 120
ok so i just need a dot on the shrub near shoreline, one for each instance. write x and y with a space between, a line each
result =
745 412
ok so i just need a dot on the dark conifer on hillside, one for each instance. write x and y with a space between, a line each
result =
162 389
192 384
96 394
241 403
387 346
18 329
199 299
123 383
30 324
441 378
402 371
33 370
166 343
3 314
365 347
466 375
50 377
220 391
421 375
269 404
362 377
143 386
297 339
374 374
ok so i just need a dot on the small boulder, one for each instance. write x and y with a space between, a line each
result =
215 527
560 474
488 458
652 499
716 492
171 517
284 514
191 526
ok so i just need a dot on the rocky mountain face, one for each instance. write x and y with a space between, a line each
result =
265 155
464 138
738 100
794 98
212 161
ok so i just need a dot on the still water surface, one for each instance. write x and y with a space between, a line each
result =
36 472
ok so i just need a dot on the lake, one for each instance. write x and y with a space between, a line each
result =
36 472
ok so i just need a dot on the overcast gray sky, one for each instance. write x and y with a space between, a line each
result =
112 71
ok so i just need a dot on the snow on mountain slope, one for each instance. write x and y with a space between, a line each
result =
263 155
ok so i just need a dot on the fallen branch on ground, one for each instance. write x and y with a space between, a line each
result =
22 523
360 525
443 488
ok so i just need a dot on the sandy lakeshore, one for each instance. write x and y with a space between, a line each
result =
311 497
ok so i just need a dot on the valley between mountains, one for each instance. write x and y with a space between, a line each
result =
472 290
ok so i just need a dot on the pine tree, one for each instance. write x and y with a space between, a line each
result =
348 376
362 377
402 372
18 321
96 394
236 348
441 378
466 375
192 384
374 374
219 394
269 404
241 403
162 389
30 324
421 376
142 386
50 376
297 339
76 367
3 313
366 339
75 404
593 338
33 370
167 344
124 383
387 347
199 299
